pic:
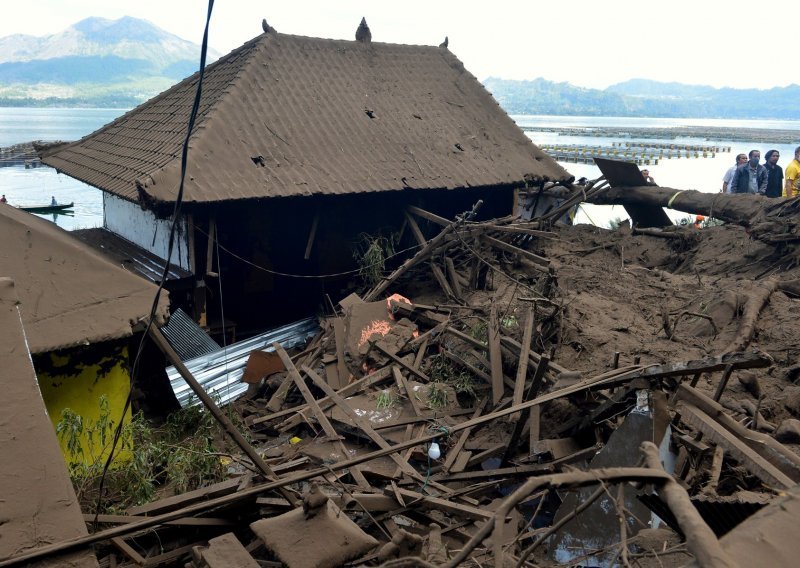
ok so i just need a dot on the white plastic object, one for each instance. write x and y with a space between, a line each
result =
434 452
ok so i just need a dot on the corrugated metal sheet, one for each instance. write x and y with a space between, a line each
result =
290 116
220 372
721 514
187 338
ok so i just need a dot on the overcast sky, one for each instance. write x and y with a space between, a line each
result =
584 42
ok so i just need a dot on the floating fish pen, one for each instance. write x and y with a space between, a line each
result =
19 155
758 135
641 154
698 149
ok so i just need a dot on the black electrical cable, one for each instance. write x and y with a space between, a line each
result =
175 216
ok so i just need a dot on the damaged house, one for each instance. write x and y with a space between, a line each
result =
82 315
302 146
599 397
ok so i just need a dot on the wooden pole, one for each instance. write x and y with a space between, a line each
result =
215 411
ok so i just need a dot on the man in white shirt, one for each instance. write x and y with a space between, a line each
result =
741 160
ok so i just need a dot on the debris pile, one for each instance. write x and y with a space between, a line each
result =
517 393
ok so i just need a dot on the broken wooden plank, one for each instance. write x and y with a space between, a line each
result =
412 497
539 263
341 366
452 454
523 416
179 501
497 473
467 365
429 216
723 382
766 446
741 452
490 452
402 363
128 550
409 434
403 384
279 396
515 229
522 366
440 278
331 370
415 230
455 284
212 407
423 347
311 235
461 462
495 358
184 522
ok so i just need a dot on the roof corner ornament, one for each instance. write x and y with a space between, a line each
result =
266 27
362 33
445 43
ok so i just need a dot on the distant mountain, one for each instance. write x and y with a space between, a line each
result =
96 62
642 97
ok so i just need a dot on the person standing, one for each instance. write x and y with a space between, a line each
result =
3 199
793 176
741 160
751 177
774 174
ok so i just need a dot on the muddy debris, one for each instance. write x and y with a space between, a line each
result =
519 393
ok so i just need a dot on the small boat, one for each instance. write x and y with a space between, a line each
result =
47 208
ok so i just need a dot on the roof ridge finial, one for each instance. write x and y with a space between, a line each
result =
362 33
266 27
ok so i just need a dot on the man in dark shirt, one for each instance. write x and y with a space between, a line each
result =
774 174
751 177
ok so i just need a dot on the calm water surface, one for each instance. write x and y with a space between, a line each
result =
35 186
702 174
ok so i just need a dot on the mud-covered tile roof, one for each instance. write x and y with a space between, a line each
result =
287 115
69 294
39 502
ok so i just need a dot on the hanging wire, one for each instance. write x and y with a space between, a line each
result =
154 308
222 315
312 276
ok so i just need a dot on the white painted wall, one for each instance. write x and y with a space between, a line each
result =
141 227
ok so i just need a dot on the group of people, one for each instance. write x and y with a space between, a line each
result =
750 176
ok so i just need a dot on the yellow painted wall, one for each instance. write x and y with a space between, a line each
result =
76 379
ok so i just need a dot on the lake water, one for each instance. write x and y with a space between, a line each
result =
702 174
35 186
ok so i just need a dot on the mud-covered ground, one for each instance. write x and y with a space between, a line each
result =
616 288
615 291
